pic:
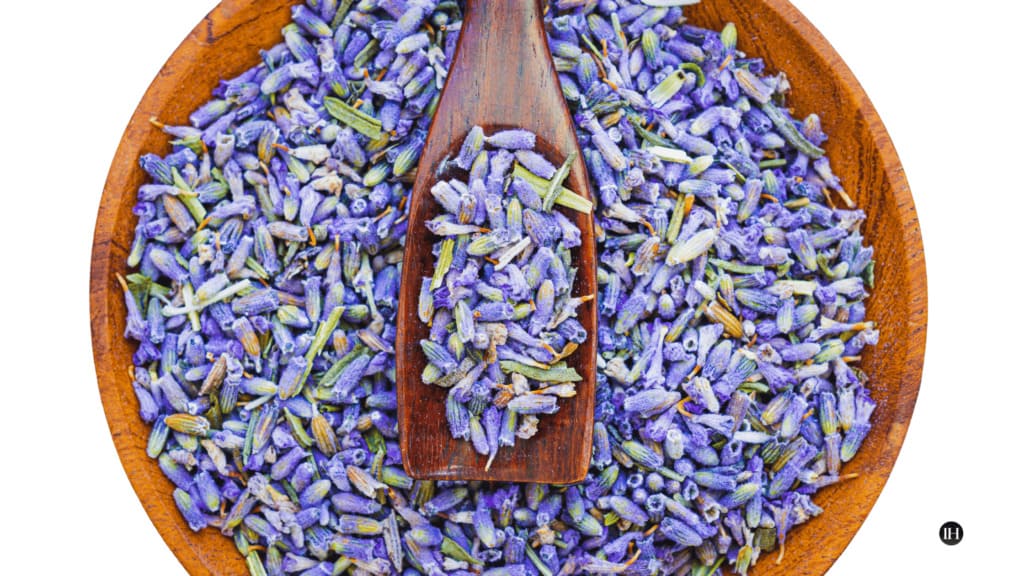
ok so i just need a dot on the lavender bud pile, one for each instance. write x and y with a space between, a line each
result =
733 274
499 303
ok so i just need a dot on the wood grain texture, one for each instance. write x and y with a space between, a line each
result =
226 43
235 32
502 76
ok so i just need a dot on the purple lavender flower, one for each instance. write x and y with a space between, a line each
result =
291 370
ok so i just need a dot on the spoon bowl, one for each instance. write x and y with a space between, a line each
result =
501 77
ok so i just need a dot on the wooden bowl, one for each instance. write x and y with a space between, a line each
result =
226 43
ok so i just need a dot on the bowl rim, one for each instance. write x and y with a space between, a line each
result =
120 406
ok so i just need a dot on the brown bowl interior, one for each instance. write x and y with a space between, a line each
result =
227 42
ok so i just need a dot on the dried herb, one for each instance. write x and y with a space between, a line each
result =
732 270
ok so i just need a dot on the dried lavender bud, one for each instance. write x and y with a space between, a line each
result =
264 301
525 345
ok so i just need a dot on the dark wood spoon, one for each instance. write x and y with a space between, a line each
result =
502 76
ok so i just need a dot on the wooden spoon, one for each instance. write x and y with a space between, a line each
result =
502 77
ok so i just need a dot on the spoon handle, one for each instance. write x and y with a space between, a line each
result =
502 70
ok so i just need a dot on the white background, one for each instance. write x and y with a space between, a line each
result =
941 75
